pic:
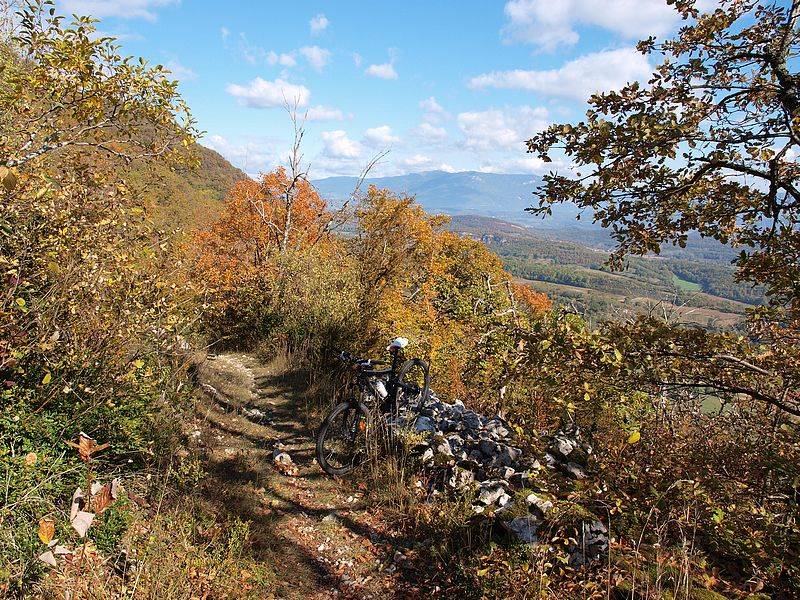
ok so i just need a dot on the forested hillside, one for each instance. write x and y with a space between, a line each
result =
583 276
185 196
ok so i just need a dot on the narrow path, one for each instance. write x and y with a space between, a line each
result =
314 532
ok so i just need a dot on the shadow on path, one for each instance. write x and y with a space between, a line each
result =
318 535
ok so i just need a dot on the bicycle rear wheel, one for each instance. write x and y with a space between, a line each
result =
342 438
413 384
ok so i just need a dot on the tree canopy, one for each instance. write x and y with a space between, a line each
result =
708 144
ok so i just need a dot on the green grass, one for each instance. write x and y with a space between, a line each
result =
686 286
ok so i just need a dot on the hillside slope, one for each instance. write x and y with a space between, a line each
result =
703 291
186 198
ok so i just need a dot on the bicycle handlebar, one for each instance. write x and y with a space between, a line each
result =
363 363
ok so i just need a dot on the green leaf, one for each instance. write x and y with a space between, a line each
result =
47 378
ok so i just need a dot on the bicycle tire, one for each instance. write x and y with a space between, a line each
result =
419 401
323 435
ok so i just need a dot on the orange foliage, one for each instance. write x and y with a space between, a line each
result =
253 226
439 289
530 300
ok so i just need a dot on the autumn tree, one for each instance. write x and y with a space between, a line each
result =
709 144
444 291
252 228
92 300
70 89
697 427
255 262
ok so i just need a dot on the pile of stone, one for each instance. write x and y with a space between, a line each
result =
568 453
475 454
474 447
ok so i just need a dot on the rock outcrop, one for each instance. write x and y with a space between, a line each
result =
476 456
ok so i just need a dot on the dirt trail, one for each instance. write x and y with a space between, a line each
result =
313 531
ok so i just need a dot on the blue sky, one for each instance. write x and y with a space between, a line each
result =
443 85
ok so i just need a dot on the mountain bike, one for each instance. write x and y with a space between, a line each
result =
379 397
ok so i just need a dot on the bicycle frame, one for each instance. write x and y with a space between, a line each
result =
389 404
372 402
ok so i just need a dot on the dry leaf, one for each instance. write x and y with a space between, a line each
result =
102 498
87 446
116 484
82 522
8 179
78 502
30 459
48 558
284 463
47 529
138 500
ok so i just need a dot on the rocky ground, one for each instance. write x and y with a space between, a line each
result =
318 533
473 455
320 537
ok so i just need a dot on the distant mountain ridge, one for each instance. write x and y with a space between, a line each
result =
499 195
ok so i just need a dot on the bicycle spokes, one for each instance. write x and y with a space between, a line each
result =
345 440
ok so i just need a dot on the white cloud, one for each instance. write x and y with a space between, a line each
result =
318 24
501 128
577 79
249 156
416 160
336 144
430 132
317 57
124 9
224 32
431 105
260 93
252 53
382 71
380 135
517 165
433 111
255 54
548 24
324 113
420 162
285 59
357 59
180 71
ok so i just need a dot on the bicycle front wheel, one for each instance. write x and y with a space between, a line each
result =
342 439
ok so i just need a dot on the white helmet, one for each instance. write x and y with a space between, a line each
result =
397 344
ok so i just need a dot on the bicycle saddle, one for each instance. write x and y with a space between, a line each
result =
397 344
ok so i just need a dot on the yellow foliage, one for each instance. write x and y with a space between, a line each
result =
439 289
